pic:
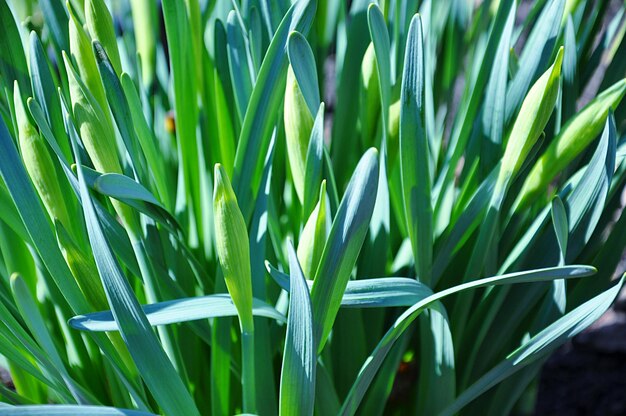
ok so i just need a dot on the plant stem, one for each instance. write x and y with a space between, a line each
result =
248 373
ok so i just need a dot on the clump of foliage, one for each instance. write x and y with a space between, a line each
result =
330 207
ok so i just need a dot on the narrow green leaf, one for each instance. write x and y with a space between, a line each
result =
344 244
12 58
45 92
176 311
314 163
537 51
240 67
297 380
57 23
493 112
177 28
148 354
30 312
304 68
414 154
540 345
69 410
369 293
263 106
375 360
464 120
559 219
146 139
119 106
587 200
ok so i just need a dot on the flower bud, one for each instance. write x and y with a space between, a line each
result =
100 26
313 237
233 247
38 162
531 120
85 60
97 136
393 133
369 108
573 138
145 24
83 268
298 125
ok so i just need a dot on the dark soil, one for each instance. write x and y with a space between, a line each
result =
588 375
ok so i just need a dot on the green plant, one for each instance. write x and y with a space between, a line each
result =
180 234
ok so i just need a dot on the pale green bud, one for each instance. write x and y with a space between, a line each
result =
393 131
83 268
313 237
531 120
298 125
100 26
145 24
96 133
233 247
98 137
38 162
369 95
573 138
82 53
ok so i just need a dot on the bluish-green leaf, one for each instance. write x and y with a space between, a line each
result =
153 364
240 64
176 311
45 92
414 154
69 410
297 380
344 244
375 360
540 345
314 164
369 293
264 103
12 58
304 68
535 56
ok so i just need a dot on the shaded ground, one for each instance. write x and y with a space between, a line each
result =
588 375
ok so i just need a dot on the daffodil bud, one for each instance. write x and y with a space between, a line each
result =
393 131
233 247
298 125
369 108
573 138
100 26
97 136
38 162
82 53
532 119
83 268
313 237
145 23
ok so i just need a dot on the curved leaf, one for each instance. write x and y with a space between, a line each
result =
176 311
375 360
